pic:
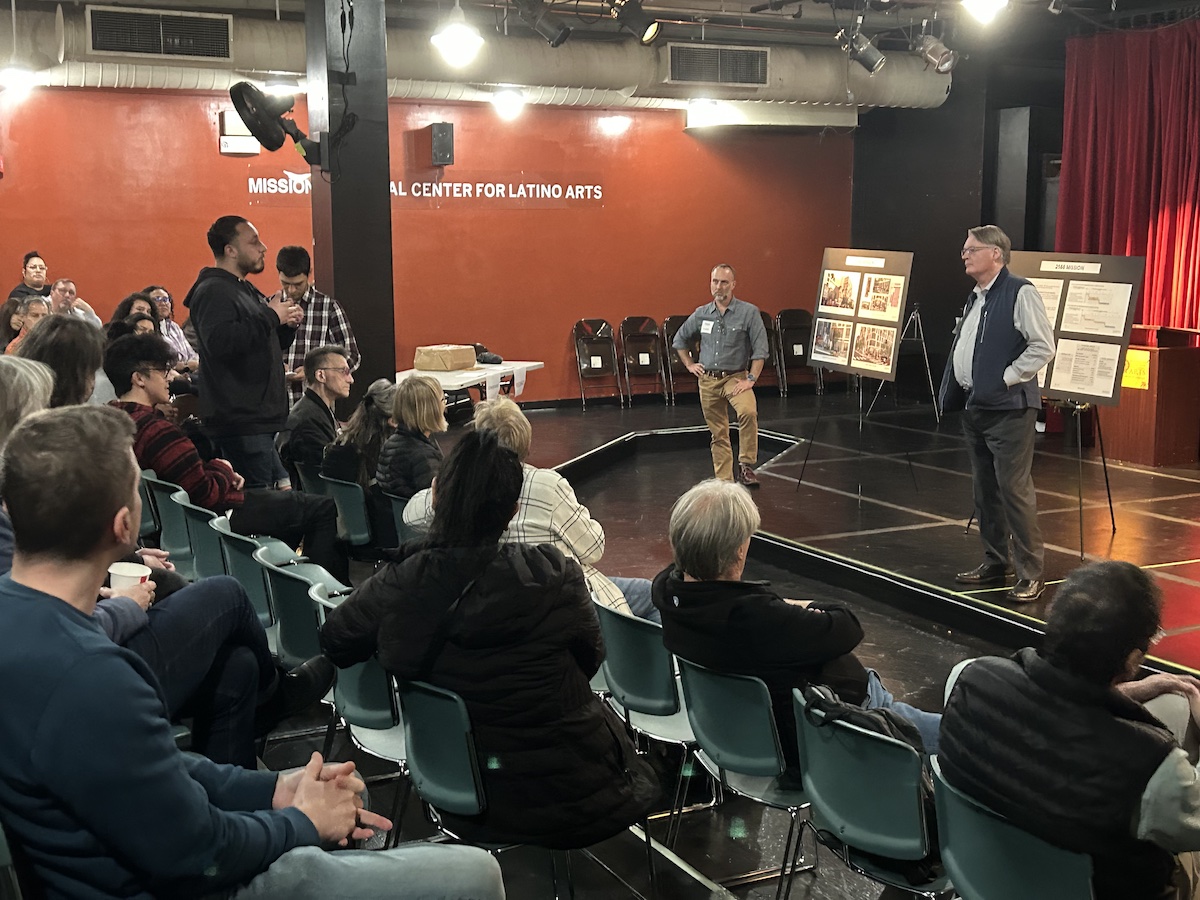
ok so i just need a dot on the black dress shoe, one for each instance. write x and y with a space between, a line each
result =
1026 590
296 691
987 575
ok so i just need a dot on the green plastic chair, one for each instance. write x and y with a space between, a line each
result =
989 858
173 531
866 797
238 551
149 523
404 531
739 746
208 560
295 618
441 749
310 480
354 525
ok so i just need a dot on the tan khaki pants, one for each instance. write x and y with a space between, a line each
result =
715 401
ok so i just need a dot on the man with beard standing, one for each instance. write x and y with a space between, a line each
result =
241 337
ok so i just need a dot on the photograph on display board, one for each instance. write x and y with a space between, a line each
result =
831 341
873 348
881 296
839 292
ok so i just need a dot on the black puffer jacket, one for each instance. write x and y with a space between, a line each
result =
558 769
408 463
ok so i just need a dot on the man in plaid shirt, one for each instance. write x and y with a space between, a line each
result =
324 322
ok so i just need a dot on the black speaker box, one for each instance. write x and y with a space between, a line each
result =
443 143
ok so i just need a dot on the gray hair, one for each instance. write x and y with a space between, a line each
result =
31 300
993 236
732 273
709 524
25 388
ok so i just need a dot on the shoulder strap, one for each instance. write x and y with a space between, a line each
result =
440 635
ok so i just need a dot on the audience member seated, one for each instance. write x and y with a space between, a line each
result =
1057 740
137 302
92 788
203 642
74 350
33 277
138 365
354 455
32 310
65 302
410 458
312 424
512 630
10 320
186 358
713 618
548 513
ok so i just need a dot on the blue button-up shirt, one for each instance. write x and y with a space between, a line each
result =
727 341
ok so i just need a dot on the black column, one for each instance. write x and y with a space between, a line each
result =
351 203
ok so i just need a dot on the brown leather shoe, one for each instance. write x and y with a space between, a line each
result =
986 575
747 477
1026 590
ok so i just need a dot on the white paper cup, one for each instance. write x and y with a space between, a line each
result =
124 575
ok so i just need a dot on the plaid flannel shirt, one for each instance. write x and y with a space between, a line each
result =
324 322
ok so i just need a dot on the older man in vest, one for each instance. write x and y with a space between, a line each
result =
1002 341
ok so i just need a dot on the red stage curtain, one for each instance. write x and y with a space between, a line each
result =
1131 161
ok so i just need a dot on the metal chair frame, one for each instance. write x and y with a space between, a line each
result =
588 335
670 326
791 324
640 334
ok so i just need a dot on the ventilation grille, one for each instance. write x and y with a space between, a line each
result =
160 33
708 64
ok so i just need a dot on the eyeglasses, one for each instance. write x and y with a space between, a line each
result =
968 251
147 370
344 371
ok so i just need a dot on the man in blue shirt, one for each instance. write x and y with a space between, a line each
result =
733 350
92 787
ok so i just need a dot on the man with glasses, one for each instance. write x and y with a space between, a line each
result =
65 302
312 425
1002 341
33 277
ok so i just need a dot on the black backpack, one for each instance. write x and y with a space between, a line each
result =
820 698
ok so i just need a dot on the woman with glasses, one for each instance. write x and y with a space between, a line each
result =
188 359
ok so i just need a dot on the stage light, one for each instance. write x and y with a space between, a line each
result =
936 54
17 81
630 16
458 41
538 16
984 11
508 103
862 51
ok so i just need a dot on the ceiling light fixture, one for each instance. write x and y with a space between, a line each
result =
984 11
537 16
509 103
861 50
630 16
936 54
283 86
458 41
16 80
612 126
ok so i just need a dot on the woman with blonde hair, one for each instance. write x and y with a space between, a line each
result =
410 458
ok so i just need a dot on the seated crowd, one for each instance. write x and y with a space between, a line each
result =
491 595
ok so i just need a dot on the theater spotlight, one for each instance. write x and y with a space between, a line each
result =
265 117
936 54
861 50
538 17
456 40
984 11
630 16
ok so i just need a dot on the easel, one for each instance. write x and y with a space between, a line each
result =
914 323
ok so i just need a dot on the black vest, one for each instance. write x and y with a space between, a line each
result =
1065 760
997 344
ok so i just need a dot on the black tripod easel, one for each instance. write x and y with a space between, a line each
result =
918 334
1078 407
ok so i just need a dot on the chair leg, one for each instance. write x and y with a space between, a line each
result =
330 733
399 805
785 859
677 799
650 860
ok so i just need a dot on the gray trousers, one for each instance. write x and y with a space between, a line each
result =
1000 445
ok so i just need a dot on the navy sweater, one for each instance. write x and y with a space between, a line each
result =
91 783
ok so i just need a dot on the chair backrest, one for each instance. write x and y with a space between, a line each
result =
989 858
441 749
641 345
206 543
670 327
240 563
310 480
173 536
149 523
795 334
404 531
298 636
595 348
637 667
354 525
772 349
732 720
867 786
363 693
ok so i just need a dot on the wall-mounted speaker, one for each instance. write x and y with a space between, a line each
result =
443 143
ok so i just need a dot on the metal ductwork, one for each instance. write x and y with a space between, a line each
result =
579 73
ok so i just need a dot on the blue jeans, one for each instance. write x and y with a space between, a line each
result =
416 871
254 457
637 595
878 697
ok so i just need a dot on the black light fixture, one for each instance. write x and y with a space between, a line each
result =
936 54
265 117
630 16
861 50
537 16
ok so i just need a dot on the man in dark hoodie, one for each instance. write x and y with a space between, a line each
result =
713 618
241 337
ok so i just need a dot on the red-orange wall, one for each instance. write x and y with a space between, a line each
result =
116 188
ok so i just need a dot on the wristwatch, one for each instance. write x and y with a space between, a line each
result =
750 377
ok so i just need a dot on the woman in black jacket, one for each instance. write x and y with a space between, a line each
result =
521 643
410 458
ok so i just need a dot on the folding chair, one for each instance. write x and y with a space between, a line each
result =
595 355
675 367
173 533
989 858
866 799
771 366
641 353
793 330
